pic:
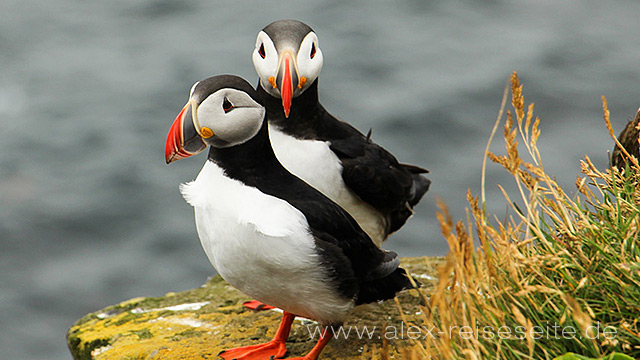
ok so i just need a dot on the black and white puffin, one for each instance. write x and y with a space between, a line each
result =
329 154
268 233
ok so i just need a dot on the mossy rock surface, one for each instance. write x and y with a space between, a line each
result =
199 323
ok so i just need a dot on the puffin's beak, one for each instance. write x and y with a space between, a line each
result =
287 79
183 139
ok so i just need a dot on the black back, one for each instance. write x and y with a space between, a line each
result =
370 171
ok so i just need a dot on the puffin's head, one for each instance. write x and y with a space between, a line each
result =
222 111
287 59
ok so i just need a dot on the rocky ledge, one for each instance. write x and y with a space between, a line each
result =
199 323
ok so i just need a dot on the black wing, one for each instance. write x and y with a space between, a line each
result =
383 283
360 269
377 177
330 223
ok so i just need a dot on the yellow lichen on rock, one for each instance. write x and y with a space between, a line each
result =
199 323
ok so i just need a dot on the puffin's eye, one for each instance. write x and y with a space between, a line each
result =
261 51
313 50
227 105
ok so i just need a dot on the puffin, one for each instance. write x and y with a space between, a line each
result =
267 232
628 138
326 152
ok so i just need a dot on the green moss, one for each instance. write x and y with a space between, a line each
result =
143 334
187 334
128 317
82 351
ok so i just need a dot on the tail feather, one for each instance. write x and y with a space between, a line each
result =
420 186
414 169
389 264
384 288
400 216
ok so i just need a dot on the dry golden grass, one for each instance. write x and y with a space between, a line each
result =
568 262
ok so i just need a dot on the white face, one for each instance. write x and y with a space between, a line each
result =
228 117
307 61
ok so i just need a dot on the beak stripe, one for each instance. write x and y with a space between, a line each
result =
174 149
287 87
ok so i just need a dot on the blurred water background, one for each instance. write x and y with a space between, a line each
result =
89 213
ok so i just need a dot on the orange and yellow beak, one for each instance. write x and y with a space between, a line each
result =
183 140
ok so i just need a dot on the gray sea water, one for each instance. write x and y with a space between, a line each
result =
89 213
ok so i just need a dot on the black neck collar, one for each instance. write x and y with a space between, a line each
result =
255 164
246 160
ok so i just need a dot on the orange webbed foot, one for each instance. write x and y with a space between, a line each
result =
273 349
257 305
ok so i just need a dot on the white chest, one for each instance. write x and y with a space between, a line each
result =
261 245
315 163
